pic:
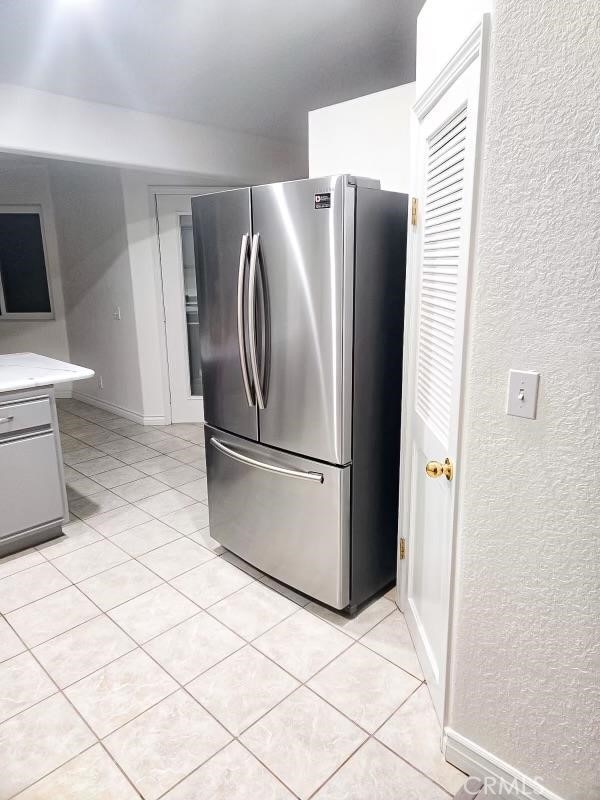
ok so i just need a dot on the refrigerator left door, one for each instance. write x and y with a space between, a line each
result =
222 224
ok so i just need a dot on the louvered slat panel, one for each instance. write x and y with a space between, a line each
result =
442 223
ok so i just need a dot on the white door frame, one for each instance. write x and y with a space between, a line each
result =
475 47
157 194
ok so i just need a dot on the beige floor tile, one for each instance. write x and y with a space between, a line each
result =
99 436
302 644
119 584
140 489
373 773
130 428
118 476
73 655
115 694
414 733
137 454
118 520
391 639
193 454
10 644
79 455
152 465
184 430
159 505
153 613
150 437
117 446
88 561
190 519
29 585
391 594
204 538
253 610
358 625
145 537
22 684
176 557
75 535
49 616
303 741
18 562
81 487
166 743
211 582
171 446
364 686
242 688
194 646
96 504
39 740
97 465
232 774
197 489
92 775
69 472
178 475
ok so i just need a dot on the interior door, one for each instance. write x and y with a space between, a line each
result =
299 246
180 298
443 182
222 231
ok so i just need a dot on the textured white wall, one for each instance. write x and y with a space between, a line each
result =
368 136
525 677
96 274
24 183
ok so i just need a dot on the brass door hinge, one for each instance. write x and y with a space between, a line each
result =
402 549
414 207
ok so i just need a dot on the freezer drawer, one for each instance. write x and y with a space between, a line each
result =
287 515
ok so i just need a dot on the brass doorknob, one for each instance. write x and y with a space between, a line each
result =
435 470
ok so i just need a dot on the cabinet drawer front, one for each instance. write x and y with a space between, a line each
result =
24 414
271 509
31 493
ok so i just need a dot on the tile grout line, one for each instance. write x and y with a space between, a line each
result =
352 640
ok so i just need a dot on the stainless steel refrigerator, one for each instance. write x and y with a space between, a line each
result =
301 304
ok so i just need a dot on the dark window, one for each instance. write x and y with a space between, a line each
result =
22 264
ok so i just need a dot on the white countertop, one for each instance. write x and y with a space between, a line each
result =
25 370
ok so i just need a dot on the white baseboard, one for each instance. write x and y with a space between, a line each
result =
63 391
121 411
504 780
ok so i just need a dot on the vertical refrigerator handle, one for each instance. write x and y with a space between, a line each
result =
260 400
240 318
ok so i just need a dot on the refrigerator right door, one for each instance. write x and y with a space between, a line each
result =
222 233
303 238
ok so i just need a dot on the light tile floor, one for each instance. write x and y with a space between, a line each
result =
139 658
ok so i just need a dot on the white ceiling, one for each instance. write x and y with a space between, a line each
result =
251 65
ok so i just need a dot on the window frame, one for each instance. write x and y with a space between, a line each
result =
15 316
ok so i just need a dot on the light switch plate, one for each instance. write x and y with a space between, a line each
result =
522 393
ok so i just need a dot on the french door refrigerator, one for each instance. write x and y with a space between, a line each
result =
301 292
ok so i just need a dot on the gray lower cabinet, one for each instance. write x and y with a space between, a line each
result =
32 492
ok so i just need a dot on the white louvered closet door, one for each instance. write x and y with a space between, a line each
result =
439 246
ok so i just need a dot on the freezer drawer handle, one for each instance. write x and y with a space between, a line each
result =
260 400
240 317
252 462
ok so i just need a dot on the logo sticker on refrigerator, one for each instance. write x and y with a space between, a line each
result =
323 200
